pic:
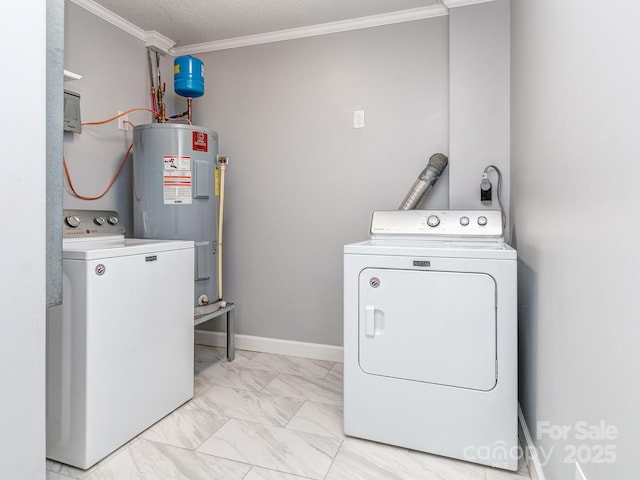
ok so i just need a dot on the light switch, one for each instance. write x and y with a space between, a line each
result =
358 119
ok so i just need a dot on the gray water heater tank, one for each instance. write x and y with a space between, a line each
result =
174 194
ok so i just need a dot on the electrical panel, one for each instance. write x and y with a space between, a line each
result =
72 122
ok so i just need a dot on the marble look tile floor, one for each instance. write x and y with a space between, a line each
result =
267 417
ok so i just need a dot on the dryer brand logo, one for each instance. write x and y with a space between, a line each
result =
200 142
421 263
374 282
100 269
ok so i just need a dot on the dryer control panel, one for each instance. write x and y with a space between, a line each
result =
460 225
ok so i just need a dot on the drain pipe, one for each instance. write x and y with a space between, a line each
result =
425 182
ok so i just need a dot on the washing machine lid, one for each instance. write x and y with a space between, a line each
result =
110 247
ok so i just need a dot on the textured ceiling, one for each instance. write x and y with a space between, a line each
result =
191 22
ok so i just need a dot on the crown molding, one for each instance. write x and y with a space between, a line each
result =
314 30
158 42
462 3
152 39
112 18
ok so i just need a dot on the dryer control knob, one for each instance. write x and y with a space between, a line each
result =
433 221
482 221
113 220
73 221
99 220
464 221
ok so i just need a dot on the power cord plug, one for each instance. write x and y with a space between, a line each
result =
485 190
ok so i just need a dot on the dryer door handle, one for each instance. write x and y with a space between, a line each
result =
370 321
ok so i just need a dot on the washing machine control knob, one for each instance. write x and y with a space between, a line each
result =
482 221
433 221
73 221
113 220
464 221
99 220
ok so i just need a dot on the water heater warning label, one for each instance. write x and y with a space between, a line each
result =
177 180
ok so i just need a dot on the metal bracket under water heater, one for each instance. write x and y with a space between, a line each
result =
229 311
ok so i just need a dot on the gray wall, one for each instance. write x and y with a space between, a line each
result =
575 197
479 96
302 182
306 182
22 236
115 76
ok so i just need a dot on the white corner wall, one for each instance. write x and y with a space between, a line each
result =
301 181
575 197
22 280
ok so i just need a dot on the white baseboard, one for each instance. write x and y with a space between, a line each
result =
530 453
315 351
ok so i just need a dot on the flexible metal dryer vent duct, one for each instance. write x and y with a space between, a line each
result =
425 182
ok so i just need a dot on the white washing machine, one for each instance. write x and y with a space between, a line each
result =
430 335
120 347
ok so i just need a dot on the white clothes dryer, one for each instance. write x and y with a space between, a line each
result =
120 347
430 335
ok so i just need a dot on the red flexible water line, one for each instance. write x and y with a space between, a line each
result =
84 197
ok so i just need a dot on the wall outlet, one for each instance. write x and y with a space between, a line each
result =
579 473
122 122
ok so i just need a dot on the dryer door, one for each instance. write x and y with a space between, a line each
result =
428 326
